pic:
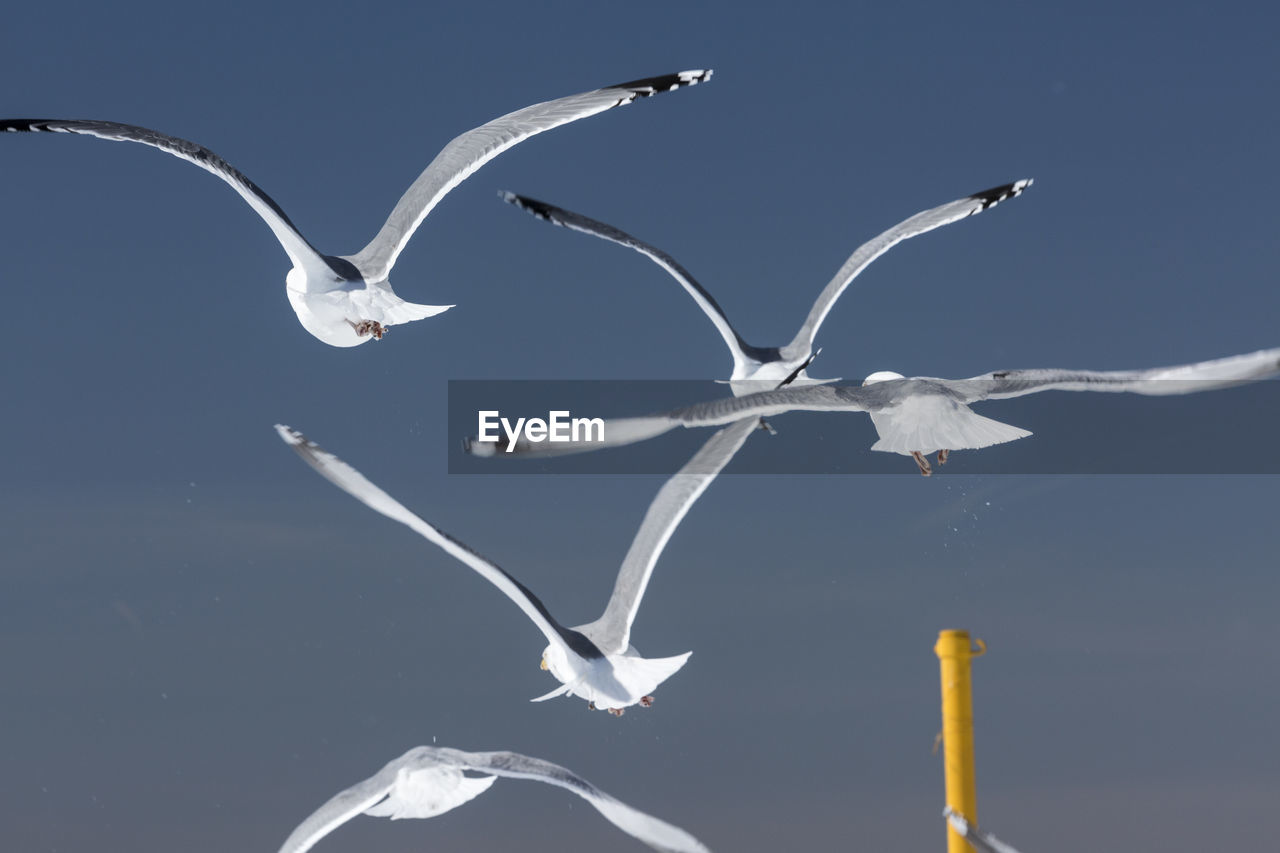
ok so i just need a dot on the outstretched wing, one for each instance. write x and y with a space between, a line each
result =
612 631
619 432
473 149
578 222
866 253
658 834
355 484
1156 381
293 242
1180 379
342 807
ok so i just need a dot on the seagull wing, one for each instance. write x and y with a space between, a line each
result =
578 222
1181 379
355 484
342 807
874 248
473 149
658 834
1156 381
983 842
612 631
293 242
619 432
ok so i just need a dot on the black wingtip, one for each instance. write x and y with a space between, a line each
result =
290 436
995 195
532 206
665 83
23 125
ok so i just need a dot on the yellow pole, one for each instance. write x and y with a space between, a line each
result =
954 652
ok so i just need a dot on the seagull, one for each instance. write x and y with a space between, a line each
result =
345 300
754 365
922 414
427 781
983 842
595 661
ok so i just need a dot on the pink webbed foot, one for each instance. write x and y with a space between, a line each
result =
617 712
369 327
942 456
646 701
925 469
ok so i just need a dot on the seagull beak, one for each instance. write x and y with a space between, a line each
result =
542 664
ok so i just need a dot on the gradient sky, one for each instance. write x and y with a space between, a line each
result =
201 641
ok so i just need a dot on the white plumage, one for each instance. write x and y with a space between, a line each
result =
427 781
345 300
595 661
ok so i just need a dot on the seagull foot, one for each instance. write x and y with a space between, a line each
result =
925 470
646 701
591 706
369 327
942 456
617 712
765 425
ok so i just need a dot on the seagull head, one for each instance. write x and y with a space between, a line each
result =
882 376
562 663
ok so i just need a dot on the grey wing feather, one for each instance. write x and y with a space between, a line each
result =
341 808
763 404
619 432
612 631
469 151
928 220
656 833
983 842
362 489
578 222
1156 381
290 238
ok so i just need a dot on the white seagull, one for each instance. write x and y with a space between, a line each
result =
595 661
754 365
922 414
427 781
983 842
345 300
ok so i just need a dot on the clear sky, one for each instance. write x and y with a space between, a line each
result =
200 640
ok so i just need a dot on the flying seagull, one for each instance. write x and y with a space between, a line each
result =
754 365
595 661
345 300
922 414
427 781
983 842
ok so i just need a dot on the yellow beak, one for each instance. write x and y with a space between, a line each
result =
542 664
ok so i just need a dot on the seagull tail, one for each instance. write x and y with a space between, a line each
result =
641 676
559 691
962 429
406 312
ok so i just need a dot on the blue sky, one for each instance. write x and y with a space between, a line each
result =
201 640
